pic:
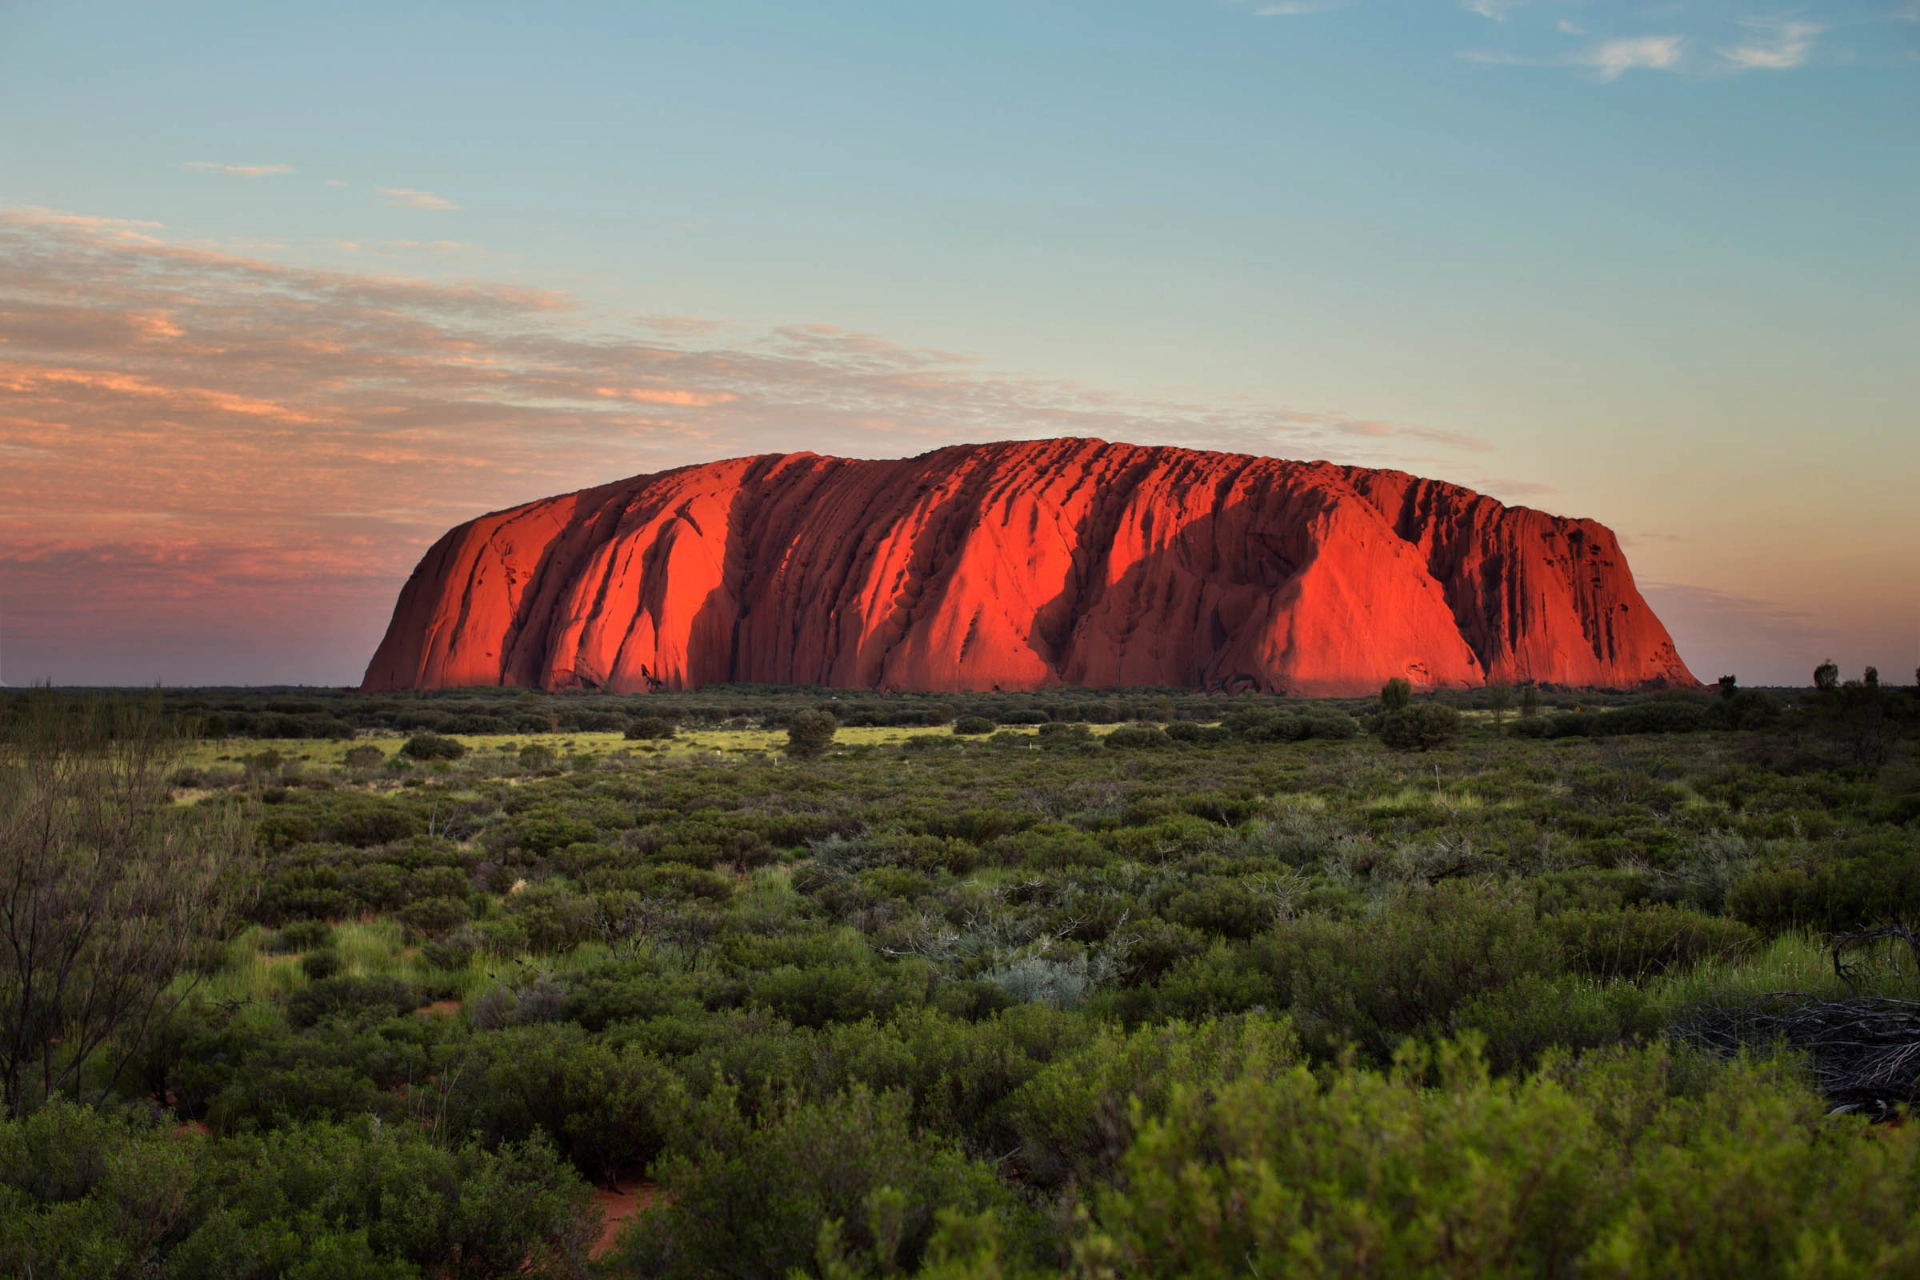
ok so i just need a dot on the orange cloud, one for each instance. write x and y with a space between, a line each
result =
666 395
28 380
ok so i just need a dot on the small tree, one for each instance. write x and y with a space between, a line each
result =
810 733
1529 702
108 891
1499 698
1396 694
1420 728
1826 676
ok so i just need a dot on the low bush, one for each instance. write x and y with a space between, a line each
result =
1640 942
846 1183
1078 1116
1631 1163
320 965
1420 727
649 728
431 746
1132 737
611 1112
350 997
92 1194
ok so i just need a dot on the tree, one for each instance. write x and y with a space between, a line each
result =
1396 693
1499 698
1420 728
810 733
1529 702
1826 676
108 891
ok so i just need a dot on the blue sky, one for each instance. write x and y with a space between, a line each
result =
1654 264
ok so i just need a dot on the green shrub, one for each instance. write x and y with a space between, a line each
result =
435 915
611 1112
973 726
320 965
1835 895
1420 727
552 917
847 1178
349 997
1373 982
87 1194
431 746
1533 1016
1620 1166
810 733
1136 736
1639 942
1077 1117
1212 905
648 728
366 756
1257 724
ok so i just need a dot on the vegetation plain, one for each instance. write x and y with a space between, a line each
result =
797 981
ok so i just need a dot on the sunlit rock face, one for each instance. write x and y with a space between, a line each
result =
1021 566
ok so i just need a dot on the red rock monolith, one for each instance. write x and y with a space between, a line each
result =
1022 566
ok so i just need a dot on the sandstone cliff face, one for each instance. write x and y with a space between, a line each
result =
1023 565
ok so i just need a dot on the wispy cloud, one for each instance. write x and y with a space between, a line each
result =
1294 8
1374 430
1788 46
239 170
408 198
1495 9
291 439
1611 59
393 247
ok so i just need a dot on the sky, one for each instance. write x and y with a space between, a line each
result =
286 291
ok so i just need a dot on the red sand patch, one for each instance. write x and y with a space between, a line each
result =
438 1009
616 1206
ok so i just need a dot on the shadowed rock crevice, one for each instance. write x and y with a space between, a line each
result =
1023 565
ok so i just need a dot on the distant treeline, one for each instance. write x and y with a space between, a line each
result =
1548 711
